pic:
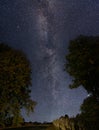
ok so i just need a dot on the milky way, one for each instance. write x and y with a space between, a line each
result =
48 51
51 72
46 26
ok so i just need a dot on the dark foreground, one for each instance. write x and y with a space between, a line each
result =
48 127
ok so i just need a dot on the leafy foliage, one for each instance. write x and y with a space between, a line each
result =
15 82
82 63
89 116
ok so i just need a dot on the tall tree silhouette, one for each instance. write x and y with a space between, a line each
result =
82 63
15 82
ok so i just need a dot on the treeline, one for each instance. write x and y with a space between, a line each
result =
82 63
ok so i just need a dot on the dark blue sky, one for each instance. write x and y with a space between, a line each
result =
42 29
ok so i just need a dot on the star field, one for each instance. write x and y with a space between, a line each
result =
42 29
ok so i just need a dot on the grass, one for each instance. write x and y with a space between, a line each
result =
35 127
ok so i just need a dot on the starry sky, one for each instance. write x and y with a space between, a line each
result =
43 29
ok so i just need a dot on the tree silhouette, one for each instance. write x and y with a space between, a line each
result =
82 63
15 82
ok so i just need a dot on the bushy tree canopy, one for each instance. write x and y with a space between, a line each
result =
90 108
89 116
82 63
15 82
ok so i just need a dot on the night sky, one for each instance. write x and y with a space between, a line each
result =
43 29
